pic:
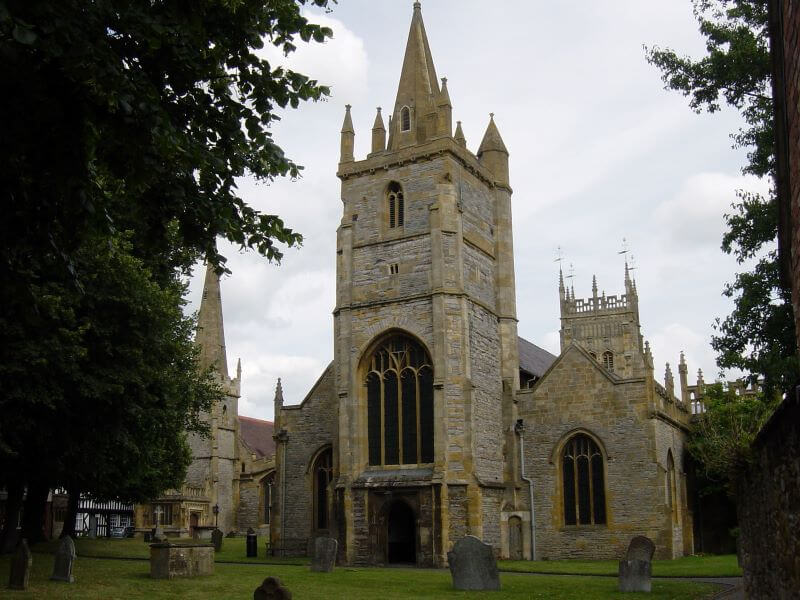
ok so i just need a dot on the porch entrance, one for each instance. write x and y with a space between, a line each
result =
402 534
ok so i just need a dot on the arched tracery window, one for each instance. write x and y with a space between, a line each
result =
323 474
400 403
583 481
405 118
396 205
608 361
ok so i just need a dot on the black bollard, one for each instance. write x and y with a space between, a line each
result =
252 544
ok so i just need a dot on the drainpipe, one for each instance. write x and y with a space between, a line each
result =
283 439
519 427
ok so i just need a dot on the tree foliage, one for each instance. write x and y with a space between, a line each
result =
126 125
758 336
722 438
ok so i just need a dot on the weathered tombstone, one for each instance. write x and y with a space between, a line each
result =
65 558
324 559
216 539
92 527
168 561
272 589
473 565
635 569
21 567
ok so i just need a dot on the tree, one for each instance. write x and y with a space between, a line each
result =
125 127
758 336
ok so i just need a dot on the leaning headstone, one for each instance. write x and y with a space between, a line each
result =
64 560
216 539
324 559
21 567
473 565
635 570
272 589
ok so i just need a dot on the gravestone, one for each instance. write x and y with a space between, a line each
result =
158 534
92 527
472 565
216 539
64 560
21 567
168 561
272 589
635 569
324 559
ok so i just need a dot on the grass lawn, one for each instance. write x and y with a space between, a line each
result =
686 566
233 550
105 579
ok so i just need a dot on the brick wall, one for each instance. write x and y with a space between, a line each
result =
768 501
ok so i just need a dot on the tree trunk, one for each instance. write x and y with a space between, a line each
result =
72 512
33 515
8 536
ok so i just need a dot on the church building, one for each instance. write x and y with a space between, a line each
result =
435 420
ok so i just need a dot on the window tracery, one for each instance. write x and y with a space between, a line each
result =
400 403
583 482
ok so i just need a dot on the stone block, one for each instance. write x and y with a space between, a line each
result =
473 565
168 561
634 575
324 559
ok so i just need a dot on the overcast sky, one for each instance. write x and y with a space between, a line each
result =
599 152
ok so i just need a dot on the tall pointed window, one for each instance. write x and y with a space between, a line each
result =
400 404
405 118
396 205
267 485
672 494
323 473
583 481
608 361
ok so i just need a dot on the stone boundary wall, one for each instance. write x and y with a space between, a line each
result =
768 505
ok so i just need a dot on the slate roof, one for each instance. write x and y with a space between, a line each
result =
257 435
533 359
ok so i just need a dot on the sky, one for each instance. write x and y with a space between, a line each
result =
599 153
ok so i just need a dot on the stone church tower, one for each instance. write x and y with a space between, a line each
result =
213 468
426 357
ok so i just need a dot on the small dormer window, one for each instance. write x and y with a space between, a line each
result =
405 118
396 205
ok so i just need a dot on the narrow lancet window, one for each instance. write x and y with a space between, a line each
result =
608 361
396 205
405 118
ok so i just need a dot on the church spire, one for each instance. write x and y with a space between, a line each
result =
415 107
378 133
348 137
459 135
210 331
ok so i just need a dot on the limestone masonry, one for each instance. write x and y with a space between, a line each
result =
435 420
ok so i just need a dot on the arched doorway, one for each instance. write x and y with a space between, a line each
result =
194 521
402 534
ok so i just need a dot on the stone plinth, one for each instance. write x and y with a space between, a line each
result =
203 532
168 561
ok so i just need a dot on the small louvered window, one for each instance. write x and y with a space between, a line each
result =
396 205
405 119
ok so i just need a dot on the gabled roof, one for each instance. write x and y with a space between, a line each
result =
257 435
533 359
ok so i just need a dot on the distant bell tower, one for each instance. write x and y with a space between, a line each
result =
607 326
425 330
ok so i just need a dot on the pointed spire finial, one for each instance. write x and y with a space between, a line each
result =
459 135
279 392
417 5
239 369
683 358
